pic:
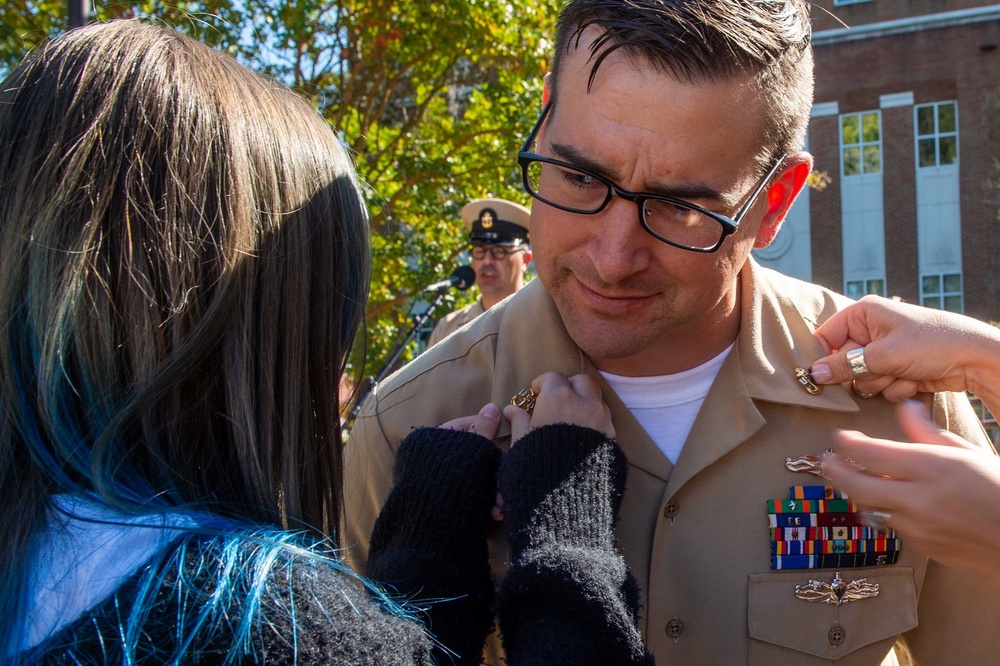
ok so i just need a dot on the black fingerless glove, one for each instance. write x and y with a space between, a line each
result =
564 484
429 542
568 597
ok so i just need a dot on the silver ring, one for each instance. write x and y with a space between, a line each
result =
856 359
858 392
875 518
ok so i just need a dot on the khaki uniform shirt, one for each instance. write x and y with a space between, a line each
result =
453 321
696 534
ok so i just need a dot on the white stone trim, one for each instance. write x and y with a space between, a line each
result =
907 25
894 100
824 109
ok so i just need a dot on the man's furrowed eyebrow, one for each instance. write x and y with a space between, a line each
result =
686 191
576 158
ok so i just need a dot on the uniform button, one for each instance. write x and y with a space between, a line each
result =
671 509
675 628
837 635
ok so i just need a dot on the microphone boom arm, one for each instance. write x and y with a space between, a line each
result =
418 322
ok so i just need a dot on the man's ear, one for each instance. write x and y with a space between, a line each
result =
527 259
780 195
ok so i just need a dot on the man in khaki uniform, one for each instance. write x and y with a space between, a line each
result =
500 254
670 146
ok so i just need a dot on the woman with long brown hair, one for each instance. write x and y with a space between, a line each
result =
185 259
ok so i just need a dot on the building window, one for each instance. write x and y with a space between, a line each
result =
988 420
937 134
861 143
942 291
857 288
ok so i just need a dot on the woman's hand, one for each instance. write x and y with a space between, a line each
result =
576 400
908 350
485 423
942 495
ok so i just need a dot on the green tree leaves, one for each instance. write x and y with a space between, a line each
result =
433 98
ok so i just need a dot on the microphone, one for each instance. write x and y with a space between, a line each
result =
462 278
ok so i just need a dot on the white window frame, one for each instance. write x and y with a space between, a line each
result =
862 144
937 135
942 294
867 286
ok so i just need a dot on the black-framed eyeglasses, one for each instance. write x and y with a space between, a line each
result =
674 221
498 252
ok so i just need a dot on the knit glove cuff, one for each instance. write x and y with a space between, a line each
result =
562 484
444 489
429 542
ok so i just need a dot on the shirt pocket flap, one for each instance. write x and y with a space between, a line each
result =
831 630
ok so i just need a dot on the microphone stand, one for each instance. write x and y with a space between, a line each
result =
371 382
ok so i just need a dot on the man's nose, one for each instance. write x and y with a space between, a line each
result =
620 246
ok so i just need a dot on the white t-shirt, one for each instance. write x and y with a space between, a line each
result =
79 563
666 405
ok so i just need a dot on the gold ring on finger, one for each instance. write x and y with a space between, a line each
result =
525 399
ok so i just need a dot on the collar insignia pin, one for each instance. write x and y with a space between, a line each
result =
804 378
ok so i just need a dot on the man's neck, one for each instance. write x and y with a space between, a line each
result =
649 365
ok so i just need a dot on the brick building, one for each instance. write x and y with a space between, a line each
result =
906 123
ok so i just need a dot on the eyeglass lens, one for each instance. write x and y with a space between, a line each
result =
497 252
580 192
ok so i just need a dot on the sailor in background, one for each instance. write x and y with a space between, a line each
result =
500 254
